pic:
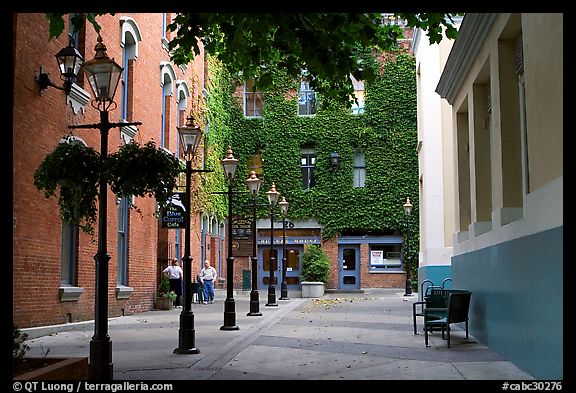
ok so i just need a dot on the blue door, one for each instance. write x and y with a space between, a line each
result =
293 267
349 266
264 269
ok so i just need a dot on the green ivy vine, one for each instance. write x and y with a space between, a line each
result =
386 133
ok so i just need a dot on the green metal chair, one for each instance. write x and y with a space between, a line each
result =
424 294
455 310
197 292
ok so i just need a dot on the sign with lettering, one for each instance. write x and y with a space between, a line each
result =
242 236
290 240
173 215
377 257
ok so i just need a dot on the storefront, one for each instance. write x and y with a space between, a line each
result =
297 235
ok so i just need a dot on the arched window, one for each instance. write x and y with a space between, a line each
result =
167 80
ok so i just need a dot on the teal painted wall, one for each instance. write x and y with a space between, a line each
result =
435 273
517 300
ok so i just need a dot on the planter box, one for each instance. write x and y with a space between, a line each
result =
163 303
73 368
312 289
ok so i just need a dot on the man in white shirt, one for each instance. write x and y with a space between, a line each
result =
208 276
175 275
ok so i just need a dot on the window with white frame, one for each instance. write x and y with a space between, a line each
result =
253 100
308 163
359 173
359 96
307 103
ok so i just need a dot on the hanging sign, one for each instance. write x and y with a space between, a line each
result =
242 236
173 215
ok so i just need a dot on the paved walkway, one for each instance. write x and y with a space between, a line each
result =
342 336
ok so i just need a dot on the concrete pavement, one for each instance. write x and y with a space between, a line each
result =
341 336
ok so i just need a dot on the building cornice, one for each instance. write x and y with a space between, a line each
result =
472 34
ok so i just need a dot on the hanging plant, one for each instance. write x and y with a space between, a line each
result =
142 170
132 170
73 167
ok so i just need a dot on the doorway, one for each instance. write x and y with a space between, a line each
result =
349 267
293 267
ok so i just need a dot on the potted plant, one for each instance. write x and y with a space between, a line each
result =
315 271
43 368
140 170
74 167
164 296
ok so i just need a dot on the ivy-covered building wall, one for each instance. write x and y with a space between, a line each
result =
355 211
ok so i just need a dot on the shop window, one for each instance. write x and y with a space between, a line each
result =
385 257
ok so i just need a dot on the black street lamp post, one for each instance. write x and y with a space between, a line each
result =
103 74
407 210
229 165
272 199
254 186
190 136
284 286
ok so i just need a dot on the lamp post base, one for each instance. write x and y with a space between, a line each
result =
271 297
284 292
254 304
100 365
229 315
186 335
408 291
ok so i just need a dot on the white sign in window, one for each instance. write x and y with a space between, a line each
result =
377 257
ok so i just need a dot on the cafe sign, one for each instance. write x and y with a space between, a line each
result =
173 215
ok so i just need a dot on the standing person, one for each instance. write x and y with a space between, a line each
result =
175 275
208 276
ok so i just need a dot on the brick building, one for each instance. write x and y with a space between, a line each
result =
362 255
53 264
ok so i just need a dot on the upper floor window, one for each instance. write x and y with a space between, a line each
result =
308 163
253 100
165 23
359 95
307 103
255 163
359 170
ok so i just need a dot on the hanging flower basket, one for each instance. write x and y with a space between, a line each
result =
142 171
73 167
76 168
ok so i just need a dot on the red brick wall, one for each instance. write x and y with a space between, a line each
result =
39 123
367 279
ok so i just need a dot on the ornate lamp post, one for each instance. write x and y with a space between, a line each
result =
284 286
103 75
407 210
229 164
190 136
272 199
254 186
